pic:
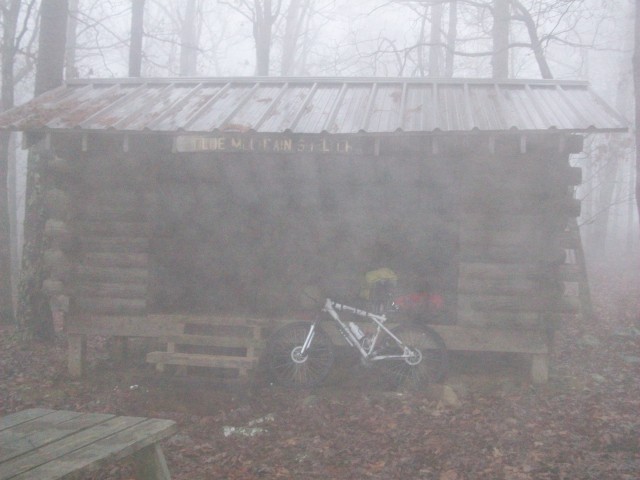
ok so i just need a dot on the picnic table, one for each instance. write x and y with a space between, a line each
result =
47 444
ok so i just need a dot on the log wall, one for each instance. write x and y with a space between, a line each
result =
150 231
101 215
515 208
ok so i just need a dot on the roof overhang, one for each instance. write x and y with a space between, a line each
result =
316 106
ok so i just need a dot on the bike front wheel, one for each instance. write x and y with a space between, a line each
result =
426 363
292 368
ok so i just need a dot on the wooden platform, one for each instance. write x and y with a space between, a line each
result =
236 343
42 444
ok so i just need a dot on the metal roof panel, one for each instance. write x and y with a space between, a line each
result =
315 105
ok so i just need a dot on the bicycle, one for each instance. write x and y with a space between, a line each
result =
301 354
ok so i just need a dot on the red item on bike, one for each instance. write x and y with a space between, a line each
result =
420 302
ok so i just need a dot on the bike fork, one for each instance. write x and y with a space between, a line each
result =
309 339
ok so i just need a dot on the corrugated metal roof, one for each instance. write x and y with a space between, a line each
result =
320 105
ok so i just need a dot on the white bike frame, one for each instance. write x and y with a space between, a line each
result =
367 349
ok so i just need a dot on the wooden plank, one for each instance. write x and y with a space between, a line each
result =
125 229
200 360
91 243
111 306
474 318
570 272
127 326
207 319
104 450
111 275
150 463
472 252
527 302
502 271
76 354
45 430
116 259
121 213
213 341
486 339
500 286
540 369
118 290
23 416
26 464
487 200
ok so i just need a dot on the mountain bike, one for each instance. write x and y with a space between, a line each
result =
301 354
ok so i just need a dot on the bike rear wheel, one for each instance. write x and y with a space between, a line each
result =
291 368
429 360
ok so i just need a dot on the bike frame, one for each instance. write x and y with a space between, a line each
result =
368 351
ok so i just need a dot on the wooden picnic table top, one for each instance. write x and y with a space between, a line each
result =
48 444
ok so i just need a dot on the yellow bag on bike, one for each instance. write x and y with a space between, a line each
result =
374 278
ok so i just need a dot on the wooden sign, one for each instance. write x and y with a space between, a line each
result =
273 144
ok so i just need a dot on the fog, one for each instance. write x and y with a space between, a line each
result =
210 219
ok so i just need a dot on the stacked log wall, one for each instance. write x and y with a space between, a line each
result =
111 195
61 246
514 211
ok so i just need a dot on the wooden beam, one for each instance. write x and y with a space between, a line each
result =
76 355
540 368
129 326
488 339
151 464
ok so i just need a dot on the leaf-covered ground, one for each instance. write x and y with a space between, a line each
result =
585 424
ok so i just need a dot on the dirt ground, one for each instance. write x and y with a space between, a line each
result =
584 424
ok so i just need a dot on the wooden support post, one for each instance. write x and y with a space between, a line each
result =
119 349
76 355
540 369
150 464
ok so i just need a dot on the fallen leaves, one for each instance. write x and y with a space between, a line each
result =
583 424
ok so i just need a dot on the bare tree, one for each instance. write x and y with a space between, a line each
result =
12 36
296 17
636 76
263 15
70 51
452 34
500 35
34 311
137 32
189 36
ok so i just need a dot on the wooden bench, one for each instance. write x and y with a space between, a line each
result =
213 342
42 444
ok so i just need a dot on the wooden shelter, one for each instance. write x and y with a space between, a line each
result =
184 208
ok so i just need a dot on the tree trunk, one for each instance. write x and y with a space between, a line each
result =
435 50
536 46
6 302
636 77
262 35
51 45
34 311
135 47
70 50
189 41
7 98
452 34
14 224
296 15
500 34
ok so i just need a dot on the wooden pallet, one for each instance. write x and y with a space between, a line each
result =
221 343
